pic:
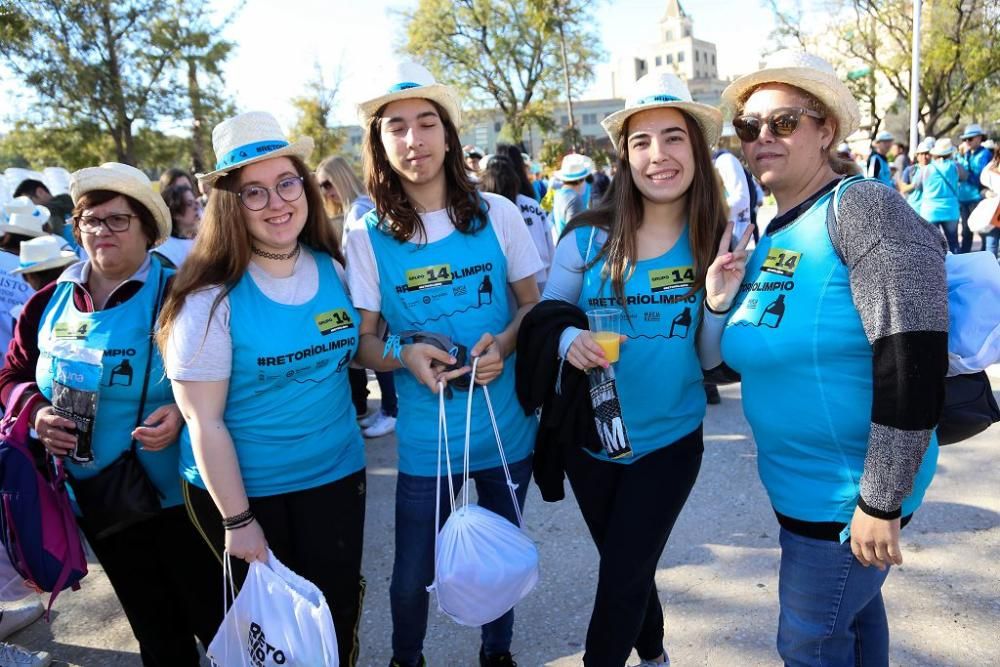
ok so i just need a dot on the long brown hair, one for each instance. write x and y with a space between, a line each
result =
466 209
221 251
620 215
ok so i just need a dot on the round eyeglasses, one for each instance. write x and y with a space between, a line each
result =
257 197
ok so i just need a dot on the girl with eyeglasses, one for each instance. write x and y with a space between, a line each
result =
257 335
839 332
439 262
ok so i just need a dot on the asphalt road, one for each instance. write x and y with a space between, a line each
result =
717 578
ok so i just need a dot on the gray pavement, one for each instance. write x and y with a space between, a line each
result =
717 578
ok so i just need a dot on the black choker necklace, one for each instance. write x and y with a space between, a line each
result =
275 255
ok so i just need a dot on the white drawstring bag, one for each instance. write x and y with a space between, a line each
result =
973 311
278 618
483 564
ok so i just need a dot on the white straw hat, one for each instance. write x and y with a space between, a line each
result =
251 137
884 135
26 222
57 180
124 180
973 130
575 167
925 146
658 90
942 147
43 253
409 80
808 72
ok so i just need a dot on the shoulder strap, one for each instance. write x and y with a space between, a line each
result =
944 177
149 351
833 210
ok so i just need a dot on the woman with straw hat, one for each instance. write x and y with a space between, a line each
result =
911 178
841 326
657 248
164 576
938 184
440 261
271 455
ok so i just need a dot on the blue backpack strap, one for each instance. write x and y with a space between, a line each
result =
833 210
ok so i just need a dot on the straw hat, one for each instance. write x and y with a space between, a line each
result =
409 80
44 253
942 148
659 90
808 72
925 146
884 135
575 167
973 130
247 138
124 180
26 223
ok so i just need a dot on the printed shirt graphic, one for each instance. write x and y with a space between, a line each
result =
456 286
122 334
289 407
14 292
796 339
660 351
540 230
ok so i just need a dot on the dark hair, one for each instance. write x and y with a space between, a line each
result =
466 209
28 187
97 197
170 176
620 215
221 251
500 177
513 153
174 198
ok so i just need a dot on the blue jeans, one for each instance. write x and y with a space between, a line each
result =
950 231
832 613
991 242
413 566
965 210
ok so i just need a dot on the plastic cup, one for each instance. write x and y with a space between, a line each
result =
605 329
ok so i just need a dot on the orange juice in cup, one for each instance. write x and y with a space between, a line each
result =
605 329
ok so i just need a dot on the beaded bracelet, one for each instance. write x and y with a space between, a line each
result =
237 521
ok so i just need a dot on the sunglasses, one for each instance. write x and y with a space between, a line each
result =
782 122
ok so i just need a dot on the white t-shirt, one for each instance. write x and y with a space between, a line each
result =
734 179
175 249
14 291
540 229
200 348
506 223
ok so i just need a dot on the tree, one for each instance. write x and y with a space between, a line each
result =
71 146
506 53
314 112
96 61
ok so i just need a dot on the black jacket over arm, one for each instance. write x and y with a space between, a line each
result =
567 416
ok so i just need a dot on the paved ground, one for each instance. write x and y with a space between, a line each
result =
717 578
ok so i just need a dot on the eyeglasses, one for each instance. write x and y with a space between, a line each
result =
782 122
257 197
116 222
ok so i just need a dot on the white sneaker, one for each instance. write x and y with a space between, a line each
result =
13 619
383 425
654 663
16 656
369 419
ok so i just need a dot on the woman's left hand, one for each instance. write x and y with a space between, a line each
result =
490 354
875 541
726 273
160 428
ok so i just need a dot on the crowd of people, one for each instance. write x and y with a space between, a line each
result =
273 288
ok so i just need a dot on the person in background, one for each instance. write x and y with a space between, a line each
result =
878 165
25 222
185 211
346 202
60 207
568 201
520 163
500 177
900 161
257 334
972 158
538 181
163 574
938 184
908 184
43 260
851 341
176 176
472 156
989 178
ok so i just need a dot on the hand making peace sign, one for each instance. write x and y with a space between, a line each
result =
726 273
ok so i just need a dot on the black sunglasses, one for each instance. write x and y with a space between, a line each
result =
782 122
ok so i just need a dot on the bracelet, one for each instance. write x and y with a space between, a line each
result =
237 521
241 525
717 312
394 348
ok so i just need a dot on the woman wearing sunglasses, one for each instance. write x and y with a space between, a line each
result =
840 335
257 335
650 249
436 256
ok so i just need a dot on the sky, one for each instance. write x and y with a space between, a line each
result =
280 43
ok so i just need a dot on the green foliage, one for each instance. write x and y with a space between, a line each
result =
314 120
506 53
73 147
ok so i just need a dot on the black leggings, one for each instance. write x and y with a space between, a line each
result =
318 533
630 510
168 583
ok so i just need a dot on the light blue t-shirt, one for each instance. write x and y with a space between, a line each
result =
797 340
939 203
